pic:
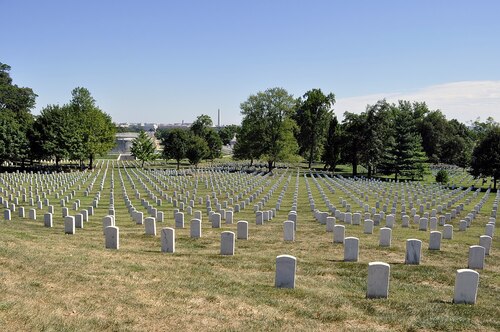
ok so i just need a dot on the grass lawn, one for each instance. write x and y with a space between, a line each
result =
56 282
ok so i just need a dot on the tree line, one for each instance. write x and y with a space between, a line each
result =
398 139
76 131
201 141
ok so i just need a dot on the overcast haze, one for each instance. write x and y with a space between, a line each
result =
168 61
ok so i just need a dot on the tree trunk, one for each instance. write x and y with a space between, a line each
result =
369 171
57 162
494 182
355 167
91 161
178 164
270 165
142 165
251 161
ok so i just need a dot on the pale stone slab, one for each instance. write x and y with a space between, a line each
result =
368 226
179 220
378 280
286 266
150 226
338 233
69 225
242 230
413 251
216 220
351 249
112 237
195 228
466 284
448 232
78 220
330 223
385 237
435 240
288 231
47 220
485 241
476 257
168 240
227 243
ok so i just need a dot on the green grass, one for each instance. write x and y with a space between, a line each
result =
52 281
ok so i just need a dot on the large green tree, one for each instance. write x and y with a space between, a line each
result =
333 144
227 133
404 155
269 114
375 133
202 127
17 103
313 115
248 145
486 156
96 130
143 148
197 150
55 134
175 144
352 130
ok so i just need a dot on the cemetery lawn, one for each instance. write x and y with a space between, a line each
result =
50 281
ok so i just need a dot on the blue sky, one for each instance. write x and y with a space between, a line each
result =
168 61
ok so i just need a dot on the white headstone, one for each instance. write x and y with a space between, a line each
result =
338 233
227 243
242 230
168 239
378 280
435 240
466 284
368 226
485 241
112 237
413 251
150 226
330 223
476 257
448 232
351 249
385 237
288 231
179 220
286 266
69 225
195 228
47 220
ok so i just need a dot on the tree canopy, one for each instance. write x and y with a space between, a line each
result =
267 118
486 155
143 148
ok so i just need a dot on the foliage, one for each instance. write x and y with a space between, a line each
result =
267 120
15 106
442 176
331 152
96 129
214 144
312 117
197 149
175 144
143 148
227 133
55 133
202 127
486 156
352 127
404 155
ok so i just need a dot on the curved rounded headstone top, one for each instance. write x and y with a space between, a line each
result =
466 284
286 266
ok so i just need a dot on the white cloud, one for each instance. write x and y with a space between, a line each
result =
464 101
